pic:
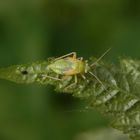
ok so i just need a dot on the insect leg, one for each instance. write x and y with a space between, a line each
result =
54 78
75 76
75 82
80 58
83 76
97 79
100 57
69 54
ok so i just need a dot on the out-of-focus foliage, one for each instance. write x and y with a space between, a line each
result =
101 134
33 30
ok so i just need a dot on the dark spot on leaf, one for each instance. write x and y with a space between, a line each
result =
24 72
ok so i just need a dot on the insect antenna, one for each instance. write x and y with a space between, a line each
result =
97 62
100 57
97 79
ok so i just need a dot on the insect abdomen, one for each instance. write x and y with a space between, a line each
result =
67 66
60 66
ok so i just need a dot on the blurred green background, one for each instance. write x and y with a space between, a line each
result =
32 30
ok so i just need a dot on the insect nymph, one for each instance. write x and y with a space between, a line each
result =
69 65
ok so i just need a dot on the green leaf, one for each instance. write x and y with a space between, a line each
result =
120 99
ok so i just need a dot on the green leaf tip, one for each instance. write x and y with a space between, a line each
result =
23 73
120 98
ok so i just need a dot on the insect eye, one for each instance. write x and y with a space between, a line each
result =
24 72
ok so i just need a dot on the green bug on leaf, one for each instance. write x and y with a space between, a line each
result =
69 65
63 69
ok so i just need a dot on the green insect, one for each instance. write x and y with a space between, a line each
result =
69 65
